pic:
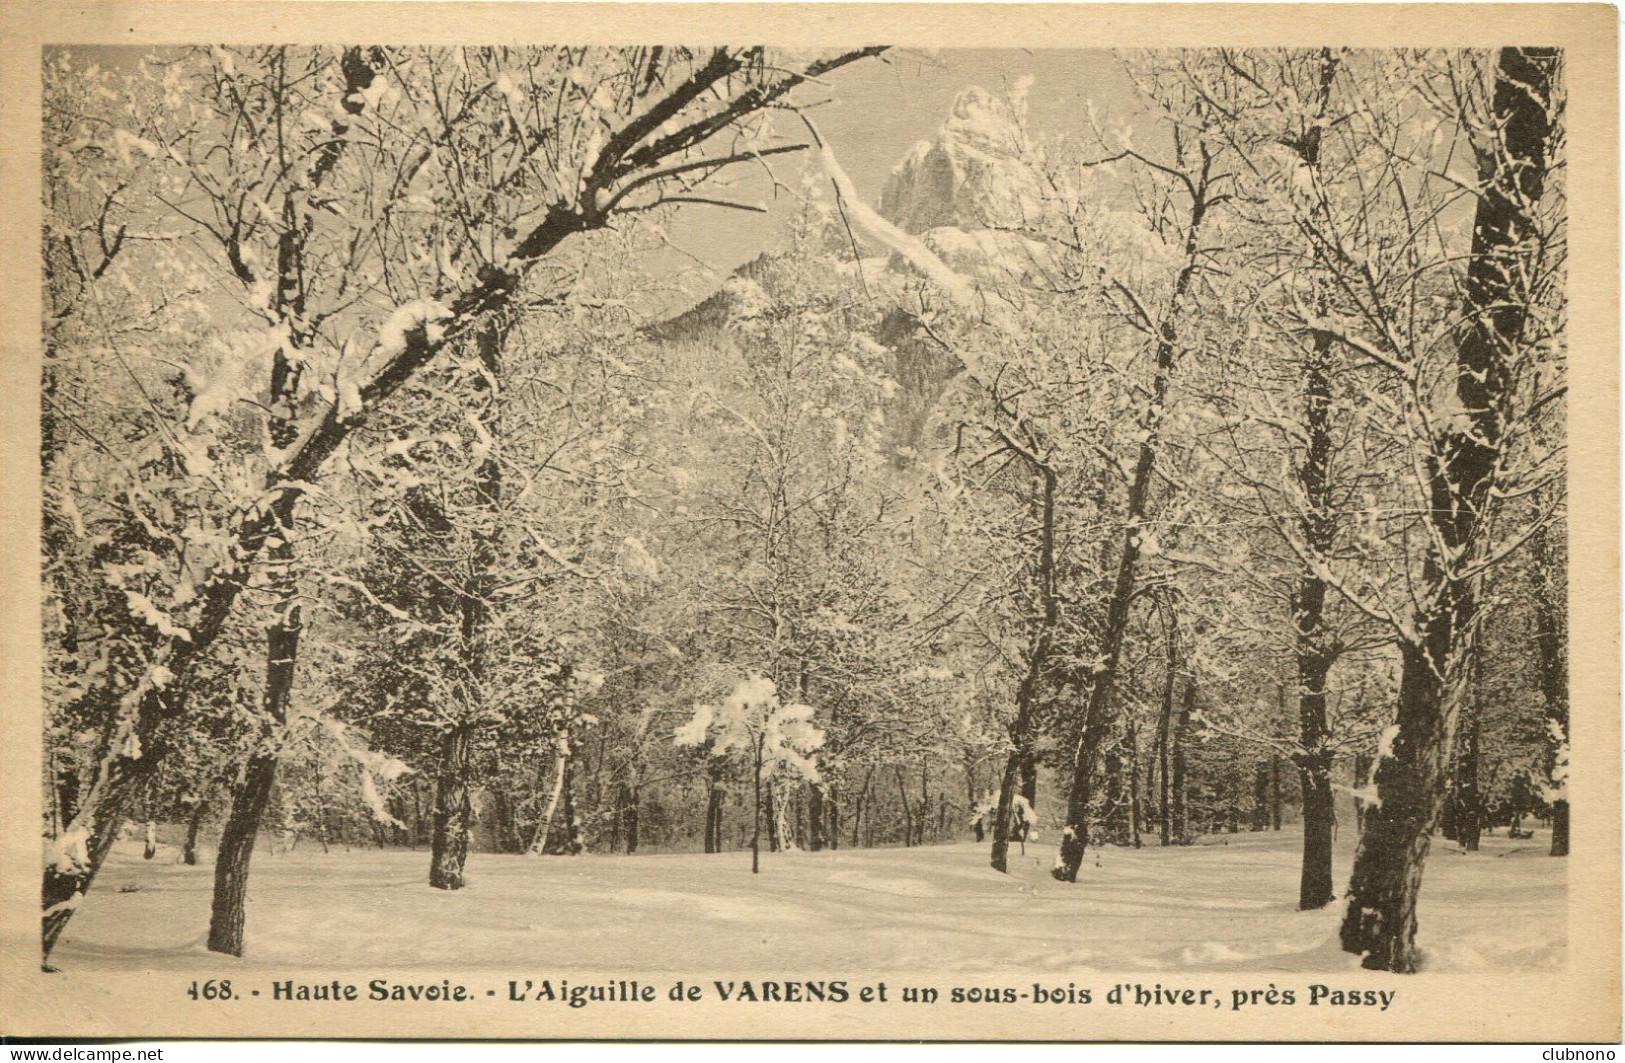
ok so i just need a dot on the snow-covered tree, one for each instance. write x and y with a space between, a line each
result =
777 740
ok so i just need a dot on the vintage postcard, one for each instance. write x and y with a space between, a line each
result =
831 521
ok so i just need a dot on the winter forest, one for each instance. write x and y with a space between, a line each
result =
1058 510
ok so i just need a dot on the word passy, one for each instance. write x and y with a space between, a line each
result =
1318 995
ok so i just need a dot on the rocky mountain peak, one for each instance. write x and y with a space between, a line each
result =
969 176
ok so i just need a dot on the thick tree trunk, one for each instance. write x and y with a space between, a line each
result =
226 918
1313 652
453 811
1313 757
1381 918
832 801
251 796
1319 822
248 803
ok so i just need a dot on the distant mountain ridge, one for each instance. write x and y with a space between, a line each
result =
967 193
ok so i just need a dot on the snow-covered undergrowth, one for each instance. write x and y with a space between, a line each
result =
1226 904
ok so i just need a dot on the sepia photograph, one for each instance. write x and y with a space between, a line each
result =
1043 534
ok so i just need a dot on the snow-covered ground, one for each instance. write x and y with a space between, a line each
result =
1226 904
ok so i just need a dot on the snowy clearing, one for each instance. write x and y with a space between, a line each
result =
1225 904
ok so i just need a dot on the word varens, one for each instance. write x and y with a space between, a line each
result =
579 995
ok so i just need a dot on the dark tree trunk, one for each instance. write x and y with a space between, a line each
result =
772 822
1318 527
282 643
67 795
253 793
1020 768
908 812
505 826
1092 733
1551 643
194 824
632 797
1449 817
572 844
1261 796
858 809
1469 804
453 812
1319 823
713 805
832 801
815 817
1179 814
1133 785
1560 827
922 819
1313 652
1010 779
756 813
321 809
1275 793
248 802
1164 727
1362 779
1381 918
